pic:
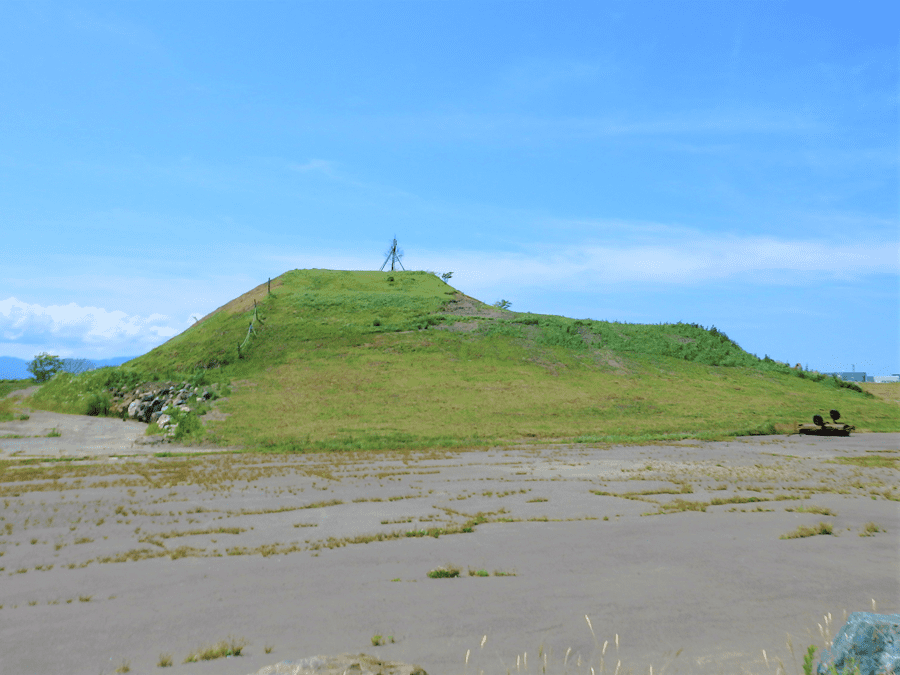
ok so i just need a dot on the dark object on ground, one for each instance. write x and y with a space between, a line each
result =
344 664
820 428
872 641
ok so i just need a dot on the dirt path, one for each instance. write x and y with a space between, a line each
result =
49 434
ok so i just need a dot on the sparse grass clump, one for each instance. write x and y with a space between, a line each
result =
230 647
165 661
820 510
804 531
870 529
447 572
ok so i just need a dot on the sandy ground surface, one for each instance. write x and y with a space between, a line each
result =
123 557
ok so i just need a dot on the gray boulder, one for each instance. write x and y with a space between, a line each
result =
133 408
870 641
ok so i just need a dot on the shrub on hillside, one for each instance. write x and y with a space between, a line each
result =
97 404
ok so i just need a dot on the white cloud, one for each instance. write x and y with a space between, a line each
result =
73 329
695 261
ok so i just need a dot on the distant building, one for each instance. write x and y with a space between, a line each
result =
884 378
850 377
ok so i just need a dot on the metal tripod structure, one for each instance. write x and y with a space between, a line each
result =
393 256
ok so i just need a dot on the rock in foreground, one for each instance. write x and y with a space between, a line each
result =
871 641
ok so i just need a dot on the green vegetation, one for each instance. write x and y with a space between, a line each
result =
448 572
44 365
370 360
230 647
9 386
7 405
804 531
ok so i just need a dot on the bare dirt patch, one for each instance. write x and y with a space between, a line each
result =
463 305
318 554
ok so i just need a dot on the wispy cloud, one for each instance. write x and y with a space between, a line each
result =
75 330
696 261
680 258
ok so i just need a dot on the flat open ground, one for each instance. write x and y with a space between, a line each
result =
124 556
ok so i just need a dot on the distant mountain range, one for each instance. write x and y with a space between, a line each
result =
12 368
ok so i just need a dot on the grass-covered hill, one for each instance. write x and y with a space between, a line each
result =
343 360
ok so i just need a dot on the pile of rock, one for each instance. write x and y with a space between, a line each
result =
149 402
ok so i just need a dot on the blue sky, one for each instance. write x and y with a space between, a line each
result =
724 163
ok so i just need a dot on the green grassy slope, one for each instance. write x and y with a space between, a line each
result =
400 359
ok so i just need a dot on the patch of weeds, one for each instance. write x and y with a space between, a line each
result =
447 572
868 461
869 530
804 531
820 510
123 667
378 640
808 660
229 647
477 573
718 501
54 433
165 661
536 499
268 648
85 598
678 505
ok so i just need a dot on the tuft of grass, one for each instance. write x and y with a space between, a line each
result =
123 667
869 530
446 572
804 531
268 649
820 510
85 598
165 661
229 647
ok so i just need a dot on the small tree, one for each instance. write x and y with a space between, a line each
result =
503 304
44 366
446 276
